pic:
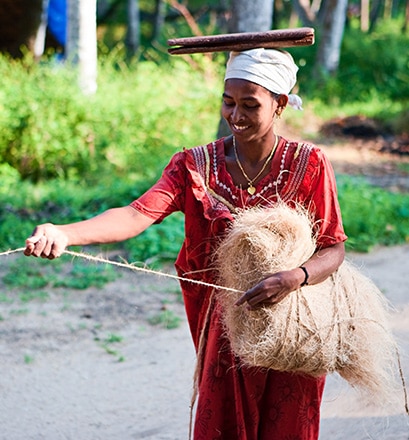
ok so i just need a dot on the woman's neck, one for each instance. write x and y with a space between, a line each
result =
253 152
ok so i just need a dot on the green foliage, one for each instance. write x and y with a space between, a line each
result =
31 295
375 63
168 108
66 157
43 121
372 216
158 243
374 67
107 342
5 299
28 359
22 274
112 338
49 130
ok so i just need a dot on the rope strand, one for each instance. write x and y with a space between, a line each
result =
130 266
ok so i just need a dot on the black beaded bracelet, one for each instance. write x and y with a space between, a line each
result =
305 282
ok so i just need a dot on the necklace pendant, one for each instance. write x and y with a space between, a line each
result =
251 189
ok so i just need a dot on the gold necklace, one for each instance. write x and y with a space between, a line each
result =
251 188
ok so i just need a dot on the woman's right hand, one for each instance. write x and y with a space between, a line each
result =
112 226
46 241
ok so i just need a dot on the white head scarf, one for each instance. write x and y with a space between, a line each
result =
273 69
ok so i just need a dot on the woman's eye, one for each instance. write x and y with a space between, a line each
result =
249 106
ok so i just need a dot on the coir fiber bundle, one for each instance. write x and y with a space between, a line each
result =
339 325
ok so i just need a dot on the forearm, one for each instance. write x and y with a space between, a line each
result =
322 264
276 287
113 225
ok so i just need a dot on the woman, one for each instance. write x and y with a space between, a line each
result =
253 167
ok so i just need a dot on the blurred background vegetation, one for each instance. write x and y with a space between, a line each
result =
66 155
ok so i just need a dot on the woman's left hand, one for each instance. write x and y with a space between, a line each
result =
272 289
276 287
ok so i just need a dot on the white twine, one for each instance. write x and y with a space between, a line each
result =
130 266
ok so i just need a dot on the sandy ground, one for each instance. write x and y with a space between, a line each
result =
61 380
58 382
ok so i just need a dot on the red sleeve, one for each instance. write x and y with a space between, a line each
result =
167 195
322 199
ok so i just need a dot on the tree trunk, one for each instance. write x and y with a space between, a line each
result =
133 31
405 25
39 43
364 15
254 16
81 48
159 19
332 32
387 11
375 14
304 12
223 16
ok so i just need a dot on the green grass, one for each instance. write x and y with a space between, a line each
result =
372 216
28 359
166 318
83 275
29 280
5 298
107 345
33 295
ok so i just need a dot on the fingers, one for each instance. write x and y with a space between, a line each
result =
269 291
39 246
30 245
45 242
253 297
33 243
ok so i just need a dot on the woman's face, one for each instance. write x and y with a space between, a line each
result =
248 109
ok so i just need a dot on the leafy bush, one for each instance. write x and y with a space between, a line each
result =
159 243
43 121
373 66
49 130
383 68
371 215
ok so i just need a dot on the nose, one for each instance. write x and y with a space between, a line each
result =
235 115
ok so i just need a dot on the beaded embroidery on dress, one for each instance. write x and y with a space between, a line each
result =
284 185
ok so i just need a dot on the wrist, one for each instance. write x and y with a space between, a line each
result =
304 282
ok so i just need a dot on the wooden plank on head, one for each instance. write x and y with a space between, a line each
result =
279 38
240 46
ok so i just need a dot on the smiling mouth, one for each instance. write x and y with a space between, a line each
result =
239 127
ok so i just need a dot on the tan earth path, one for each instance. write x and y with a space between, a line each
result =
75 390
59 382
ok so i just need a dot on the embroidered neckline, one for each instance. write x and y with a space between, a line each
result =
216 174
209 164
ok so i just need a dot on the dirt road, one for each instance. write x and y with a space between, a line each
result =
60 381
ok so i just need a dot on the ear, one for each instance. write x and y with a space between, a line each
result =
282 101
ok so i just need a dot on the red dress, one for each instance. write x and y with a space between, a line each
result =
235 402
